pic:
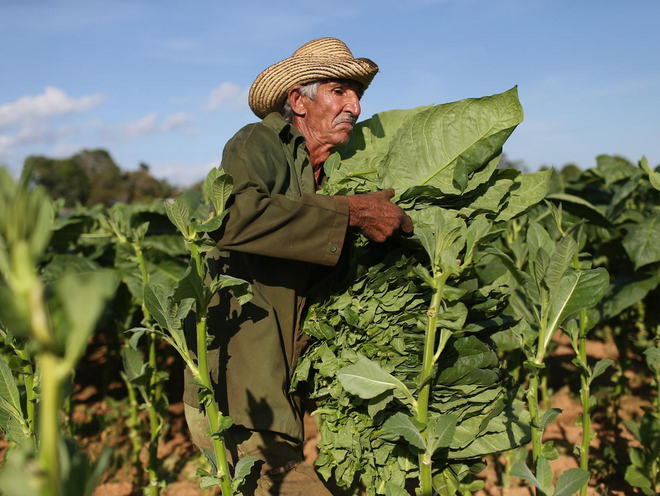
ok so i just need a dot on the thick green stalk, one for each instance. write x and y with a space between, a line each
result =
154 386
153 451
134 431
545 402
585 393
49 423
154 393
506 481
430 356
212 412
533 405
537 432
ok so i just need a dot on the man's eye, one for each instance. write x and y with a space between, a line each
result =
338 91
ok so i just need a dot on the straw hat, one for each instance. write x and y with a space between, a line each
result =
323 58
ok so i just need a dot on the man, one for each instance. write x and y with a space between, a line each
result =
282 237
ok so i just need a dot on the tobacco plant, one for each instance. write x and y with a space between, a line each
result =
552 284
407 383
169 306
53 321
644 469
138 373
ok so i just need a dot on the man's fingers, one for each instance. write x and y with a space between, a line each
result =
407 225
389 193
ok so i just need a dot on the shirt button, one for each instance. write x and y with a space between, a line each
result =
333 248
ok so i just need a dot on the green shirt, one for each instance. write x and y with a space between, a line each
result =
277 236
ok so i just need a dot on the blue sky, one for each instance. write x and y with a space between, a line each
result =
165 82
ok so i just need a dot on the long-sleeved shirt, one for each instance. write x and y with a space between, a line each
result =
277 236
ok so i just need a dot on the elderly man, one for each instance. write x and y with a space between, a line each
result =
283 237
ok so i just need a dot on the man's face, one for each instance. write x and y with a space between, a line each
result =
332 114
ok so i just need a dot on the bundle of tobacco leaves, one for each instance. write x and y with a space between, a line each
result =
403 370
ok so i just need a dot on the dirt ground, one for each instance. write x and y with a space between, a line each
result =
99 421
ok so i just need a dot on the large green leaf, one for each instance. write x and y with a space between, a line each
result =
561 260
8 390
366 379
179 214
82 299
401 425
192 286
637 478
13 428
642 243
654 177
394 490
580 207
242 470
626 290
370 139
572 481
444 145
440 432
20 474
531 190
159 302
544 473
63 264
441 233
494 196
522 471
240 288
578 290
220 191
614 169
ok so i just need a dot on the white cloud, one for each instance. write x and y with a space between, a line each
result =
52 102
28 134
149 124
176 121
227 94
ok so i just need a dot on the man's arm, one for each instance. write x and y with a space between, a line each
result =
309 229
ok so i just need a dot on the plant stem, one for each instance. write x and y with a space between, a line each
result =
430 356
212 412
545 402
134 431
49 423
154 385
585 393
362 172
532 401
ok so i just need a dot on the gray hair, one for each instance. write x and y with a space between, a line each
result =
310 90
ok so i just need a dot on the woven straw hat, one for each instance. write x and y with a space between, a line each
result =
323 58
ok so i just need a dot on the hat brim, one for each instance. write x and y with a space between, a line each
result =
269 91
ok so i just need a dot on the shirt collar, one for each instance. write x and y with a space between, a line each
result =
287 132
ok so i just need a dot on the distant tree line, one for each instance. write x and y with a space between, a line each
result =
92 177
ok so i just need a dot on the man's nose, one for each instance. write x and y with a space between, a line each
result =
353 105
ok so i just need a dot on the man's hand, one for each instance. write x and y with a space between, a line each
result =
375 216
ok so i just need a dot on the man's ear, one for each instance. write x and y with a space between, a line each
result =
297 100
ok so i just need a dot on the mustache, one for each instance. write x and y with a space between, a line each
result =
346 118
